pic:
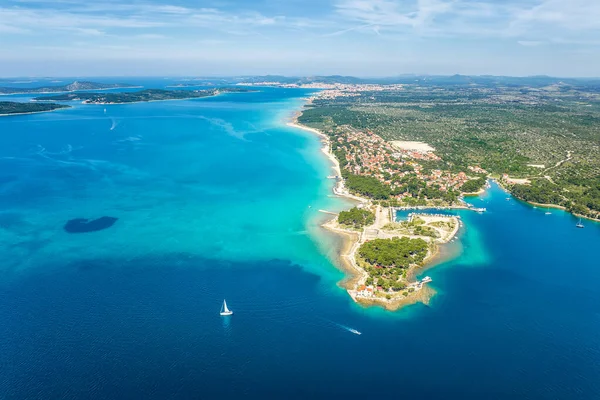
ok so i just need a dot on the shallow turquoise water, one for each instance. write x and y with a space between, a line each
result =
217 198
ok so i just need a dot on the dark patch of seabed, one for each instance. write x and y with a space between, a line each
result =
82 225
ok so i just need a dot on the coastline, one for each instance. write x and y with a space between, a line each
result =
351 241
70 91
555 206
326 149
86 102
559 208
356 275
34 112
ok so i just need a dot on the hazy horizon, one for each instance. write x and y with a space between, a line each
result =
376 38
300 76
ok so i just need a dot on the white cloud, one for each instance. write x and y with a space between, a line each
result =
97 17
341 33
473 19
530 43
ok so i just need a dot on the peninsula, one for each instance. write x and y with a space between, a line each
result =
429 143
17 108
385 255
382 254
72 87
139 96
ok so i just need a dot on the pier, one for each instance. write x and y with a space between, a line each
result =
413 215
465 207
327 212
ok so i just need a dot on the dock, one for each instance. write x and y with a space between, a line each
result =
328 212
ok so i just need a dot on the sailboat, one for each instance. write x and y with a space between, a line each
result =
580 224
548 211
224 310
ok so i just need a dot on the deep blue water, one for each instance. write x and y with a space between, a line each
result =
213 199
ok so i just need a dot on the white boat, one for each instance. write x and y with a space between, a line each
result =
580 224
224 310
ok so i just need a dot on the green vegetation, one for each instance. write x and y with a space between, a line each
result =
11 107
366 186
139 96
426 231
473 185
387 260
395 252
503 126
356 217
417 227
542 191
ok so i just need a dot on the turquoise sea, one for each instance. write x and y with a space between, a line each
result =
217 198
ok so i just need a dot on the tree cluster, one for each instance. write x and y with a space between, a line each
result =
473 185
356 217
367 186
395 252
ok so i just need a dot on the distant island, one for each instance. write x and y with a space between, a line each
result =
82 225
15 108
187 85
139 96
72 87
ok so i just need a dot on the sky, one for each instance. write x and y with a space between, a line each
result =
299 37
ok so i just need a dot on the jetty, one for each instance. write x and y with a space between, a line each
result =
327 212
467 206
413 215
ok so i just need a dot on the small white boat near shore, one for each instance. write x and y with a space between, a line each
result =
224 310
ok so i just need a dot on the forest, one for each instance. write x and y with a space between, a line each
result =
12 107
547 134
366 185
356 217
396 252
473 185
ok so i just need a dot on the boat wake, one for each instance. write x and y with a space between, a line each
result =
351 330
115 122
346 328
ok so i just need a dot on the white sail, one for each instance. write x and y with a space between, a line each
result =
225 310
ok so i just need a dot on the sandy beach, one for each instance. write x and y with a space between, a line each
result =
339 188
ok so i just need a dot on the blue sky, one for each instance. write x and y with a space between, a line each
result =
299 37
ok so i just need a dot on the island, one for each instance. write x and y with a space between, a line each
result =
16 108
83 225
139 96
72 87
